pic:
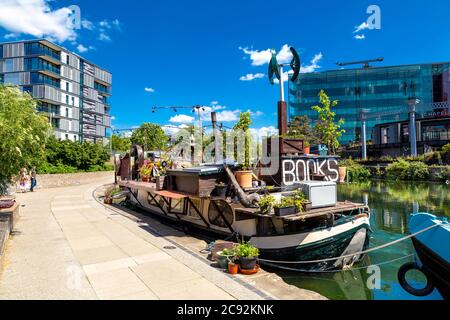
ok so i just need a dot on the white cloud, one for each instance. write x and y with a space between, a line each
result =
82 48
10 36
285 54
361 27
87 24
151 90
228 116
314 64
360 36
251 76
263 132
182 118
113 118
36 18
104 37
259 58
214 103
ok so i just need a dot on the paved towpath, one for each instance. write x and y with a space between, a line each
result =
68 246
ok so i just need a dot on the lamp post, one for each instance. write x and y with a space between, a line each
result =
364 133
413 102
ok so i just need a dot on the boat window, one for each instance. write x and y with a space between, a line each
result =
214 216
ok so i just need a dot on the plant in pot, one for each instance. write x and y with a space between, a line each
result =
233 268
247 255
221 189
287 207
146 172
266 204
244 175
225 256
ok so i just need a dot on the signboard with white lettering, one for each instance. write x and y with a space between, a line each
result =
295 170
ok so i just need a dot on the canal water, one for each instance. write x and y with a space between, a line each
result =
391 205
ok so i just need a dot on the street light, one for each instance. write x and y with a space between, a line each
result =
413 102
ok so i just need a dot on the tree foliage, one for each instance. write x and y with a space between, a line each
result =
150 136
327 130
80 156
23 133
121 143
300 128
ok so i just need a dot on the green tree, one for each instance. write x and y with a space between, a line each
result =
120 143
244 124
150 136
327 131
300 128
23 133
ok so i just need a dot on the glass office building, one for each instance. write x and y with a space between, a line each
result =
381 90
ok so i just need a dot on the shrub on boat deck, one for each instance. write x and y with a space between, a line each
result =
406 170
266 204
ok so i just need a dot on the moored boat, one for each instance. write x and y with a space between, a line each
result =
433 254
297 241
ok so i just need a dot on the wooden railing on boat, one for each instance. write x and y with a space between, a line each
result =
340 207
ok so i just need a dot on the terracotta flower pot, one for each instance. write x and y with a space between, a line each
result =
145 179
245 179
233 268
307 150
342 174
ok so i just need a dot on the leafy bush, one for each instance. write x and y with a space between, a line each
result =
63 156
404 170
355 171
297 200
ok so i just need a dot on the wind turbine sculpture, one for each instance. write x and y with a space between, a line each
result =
276 71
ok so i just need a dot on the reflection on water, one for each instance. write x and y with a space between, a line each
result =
391 204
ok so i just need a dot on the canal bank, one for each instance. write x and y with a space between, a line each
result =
69 246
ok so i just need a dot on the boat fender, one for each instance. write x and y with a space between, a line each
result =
429 288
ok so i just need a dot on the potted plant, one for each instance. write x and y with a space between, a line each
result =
287 207
306 147
224 256
221 189
109 195
343 170
233 268
266 204
247 255
146 172
244 176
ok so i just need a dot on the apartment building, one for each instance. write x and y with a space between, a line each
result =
73 92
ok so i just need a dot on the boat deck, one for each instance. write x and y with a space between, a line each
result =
340 207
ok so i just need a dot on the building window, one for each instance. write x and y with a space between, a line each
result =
67 59
9 65
385 135
12 78
67 86
73 101
67 136
67 99
67 112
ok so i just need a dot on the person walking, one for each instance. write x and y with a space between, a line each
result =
33 179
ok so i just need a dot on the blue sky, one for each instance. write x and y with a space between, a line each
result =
199 52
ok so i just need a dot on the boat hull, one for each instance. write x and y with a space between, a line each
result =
351 241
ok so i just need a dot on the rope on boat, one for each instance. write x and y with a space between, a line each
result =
345 270
358 253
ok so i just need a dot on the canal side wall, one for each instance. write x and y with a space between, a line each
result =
46 181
